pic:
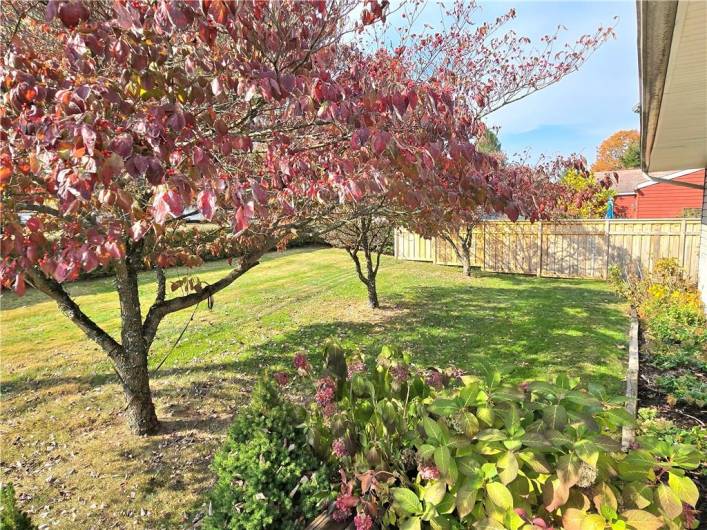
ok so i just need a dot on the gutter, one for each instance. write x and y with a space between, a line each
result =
656 22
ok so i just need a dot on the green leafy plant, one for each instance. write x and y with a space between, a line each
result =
421 448
11 516
650 423
688 388
266 474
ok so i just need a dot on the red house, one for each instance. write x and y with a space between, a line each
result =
638 197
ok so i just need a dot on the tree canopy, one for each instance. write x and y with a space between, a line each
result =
621 150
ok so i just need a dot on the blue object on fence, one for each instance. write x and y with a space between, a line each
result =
610 208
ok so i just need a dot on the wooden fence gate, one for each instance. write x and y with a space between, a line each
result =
568 248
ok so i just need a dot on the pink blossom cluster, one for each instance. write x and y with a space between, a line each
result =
338 448
281 377
363 521
356 367
301 363
326 389
342 506
428 472
435 379
400 373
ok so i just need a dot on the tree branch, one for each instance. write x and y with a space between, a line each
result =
55 291
159 310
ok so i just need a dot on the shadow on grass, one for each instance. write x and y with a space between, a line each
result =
533 328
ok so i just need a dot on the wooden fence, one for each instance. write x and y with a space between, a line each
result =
567 249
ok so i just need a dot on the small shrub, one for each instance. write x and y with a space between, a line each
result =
267 474
651 424
424 447
11 517
687 388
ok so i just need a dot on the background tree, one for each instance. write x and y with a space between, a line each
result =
120 119
585 197
489 143
621 150
489 67
370 234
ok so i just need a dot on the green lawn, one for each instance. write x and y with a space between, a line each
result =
57 384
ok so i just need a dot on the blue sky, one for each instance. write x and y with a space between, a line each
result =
581 110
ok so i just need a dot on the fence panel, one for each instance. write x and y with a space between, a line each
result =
568 249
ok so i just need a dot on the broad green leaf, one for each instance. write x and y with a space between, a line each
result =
684 488
491 435
426 451
668 500
641 520
486 415
499 495
686 457
443 460
468 466
443 407
603 494
637 494
568 469
637 466
434 430
509 467
618 525
593 522
466 497
447 504
618 417
587 451
468 394
406 500
608 512
470 424
555 417
536 440
411 523
537 462
440 522
572 519
434 493
555 494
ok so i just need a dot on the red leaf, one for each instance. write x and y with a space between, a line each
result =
20 284
206 202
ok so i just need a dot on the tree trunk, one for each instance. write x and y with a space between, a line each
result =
139 409
466 264
372 294
371 283
131 360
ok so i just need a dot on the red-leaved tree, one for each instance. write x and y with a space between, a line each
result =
120 119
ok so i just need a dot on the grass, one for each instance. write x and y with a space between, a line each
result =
64 442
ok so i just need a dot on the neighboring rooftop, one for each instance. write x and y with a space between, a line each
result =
630 179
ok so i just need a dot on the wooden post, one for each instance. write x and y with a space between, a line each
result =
607 243
683 237
627 434
483 253
433 248
540 248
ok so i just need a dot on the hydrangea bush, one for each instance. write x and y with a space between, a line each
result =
427 448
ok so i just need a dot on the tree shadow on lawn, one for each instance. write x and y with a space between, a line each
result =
538 328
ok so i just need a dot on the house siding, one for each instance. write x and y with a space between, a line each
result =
663 199
625 206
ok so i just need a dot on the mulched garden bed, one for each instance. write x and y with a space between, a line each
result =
683 415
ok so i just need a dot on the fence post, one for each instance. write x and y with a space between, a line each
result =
607 243
483 249
683 236
540 248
